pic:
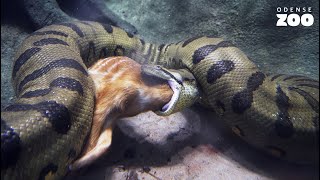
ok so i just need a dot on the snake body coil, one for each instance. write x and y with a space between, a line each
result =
44 130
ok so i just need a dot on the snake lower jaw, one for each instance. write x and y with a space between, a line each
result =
169 108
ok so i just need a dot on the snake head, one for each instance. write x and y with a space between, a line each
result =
182 83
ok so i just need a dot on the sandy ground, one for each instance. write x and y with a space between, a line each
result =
192 144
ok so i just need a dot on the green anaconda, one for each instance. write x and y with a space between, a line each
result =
43 131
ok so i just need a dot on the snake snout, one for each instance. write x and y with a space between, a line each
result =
182 83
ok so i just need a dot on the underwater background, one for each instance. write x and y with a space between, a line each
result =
182 146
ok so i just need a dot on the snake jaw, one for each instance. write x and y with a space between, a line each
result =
167 108
182 83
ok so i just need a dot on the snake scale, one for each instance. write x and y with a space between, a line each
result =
44 130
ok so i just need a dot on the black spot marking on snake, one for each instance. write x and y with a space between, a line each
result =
154 54
48 41
242 100
218 69
72 153
307 80
283 125
147 56
91 51
166 47
178 42
178 63
19 107
74 27
204 51
276 76
190 40
50 168
309 85
119 51
255 80
311 101
50 32
107 27
275 151
129 34
58 115
142 41
156 61
293 77
36 93
103 52
70 63
23 58
160 47
10 146
67 83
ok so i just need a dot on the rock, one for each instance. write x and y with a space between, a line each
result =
95 10
44 13
192 144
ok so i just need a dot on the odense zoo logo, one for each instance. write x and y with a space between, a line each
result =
288 16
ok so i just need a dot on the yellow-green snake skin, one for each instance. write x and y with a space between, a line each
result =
44 130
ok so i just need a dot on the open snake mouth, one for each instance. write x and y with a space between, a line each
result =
175 81
175 86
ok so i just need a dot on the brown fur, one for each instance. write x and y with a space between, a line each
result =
121 91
